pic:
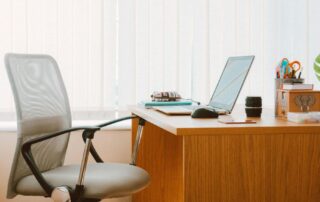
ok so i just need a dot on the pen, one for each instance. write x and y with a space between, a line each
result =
283 67
300 73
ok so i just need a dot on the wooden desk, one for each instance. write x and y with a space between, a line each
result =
206 161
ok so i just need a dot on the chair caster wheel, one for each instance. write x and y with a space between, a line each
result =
61 194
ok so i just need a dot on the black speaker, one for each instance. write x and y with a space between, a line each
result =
253 106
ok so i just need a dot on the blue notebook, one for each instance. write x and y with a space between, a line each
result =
171 103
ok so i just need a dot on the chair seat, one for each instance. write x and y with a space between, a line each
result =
102 180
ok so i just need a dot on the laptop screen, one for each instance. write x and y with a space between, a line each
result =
231 82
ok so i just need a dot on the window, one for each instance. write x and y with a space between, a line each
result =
113 53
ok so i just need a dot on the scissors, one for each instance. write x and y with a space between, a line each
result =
295 66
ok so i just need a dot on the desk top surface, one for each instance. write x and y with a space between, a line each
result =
185 125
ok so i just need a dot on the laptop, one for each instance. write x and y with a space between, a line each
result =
226 92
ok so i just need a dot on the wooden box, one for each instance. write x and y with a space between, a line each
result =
297 101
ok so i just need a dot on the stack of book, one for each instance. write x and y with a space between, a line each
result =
149 104
297 86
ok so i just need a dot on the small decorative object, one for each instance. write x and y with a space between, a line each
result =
305 102
279 85
253 106
297 101
165 96
316 67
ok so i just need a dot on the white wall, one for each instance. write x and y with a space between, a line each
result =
113 146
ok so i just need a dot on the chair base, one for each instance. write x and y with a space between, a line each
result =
62 194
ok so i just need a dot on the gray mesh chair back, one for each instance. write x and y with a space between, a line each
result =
42 107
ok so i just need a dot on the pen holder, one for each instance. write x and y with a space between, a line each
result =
278 86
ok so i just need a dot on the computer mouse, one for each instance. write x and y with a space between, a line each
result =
204 112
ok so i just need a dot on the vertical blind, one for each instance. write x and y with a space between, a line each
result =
113 53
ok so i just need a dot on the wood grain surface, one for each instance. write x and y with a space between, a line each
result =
252 168
185 125
280 164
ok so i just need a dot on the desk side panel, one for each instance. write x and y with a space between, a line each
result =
251 168
161 155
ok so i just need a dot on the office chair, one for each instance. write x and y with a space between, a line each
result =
44 126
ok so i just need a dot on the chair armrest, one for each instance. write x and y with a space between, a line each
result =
116 121
93 151
28 157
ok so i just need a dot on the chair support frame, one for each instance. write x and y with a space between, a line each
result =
87 135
